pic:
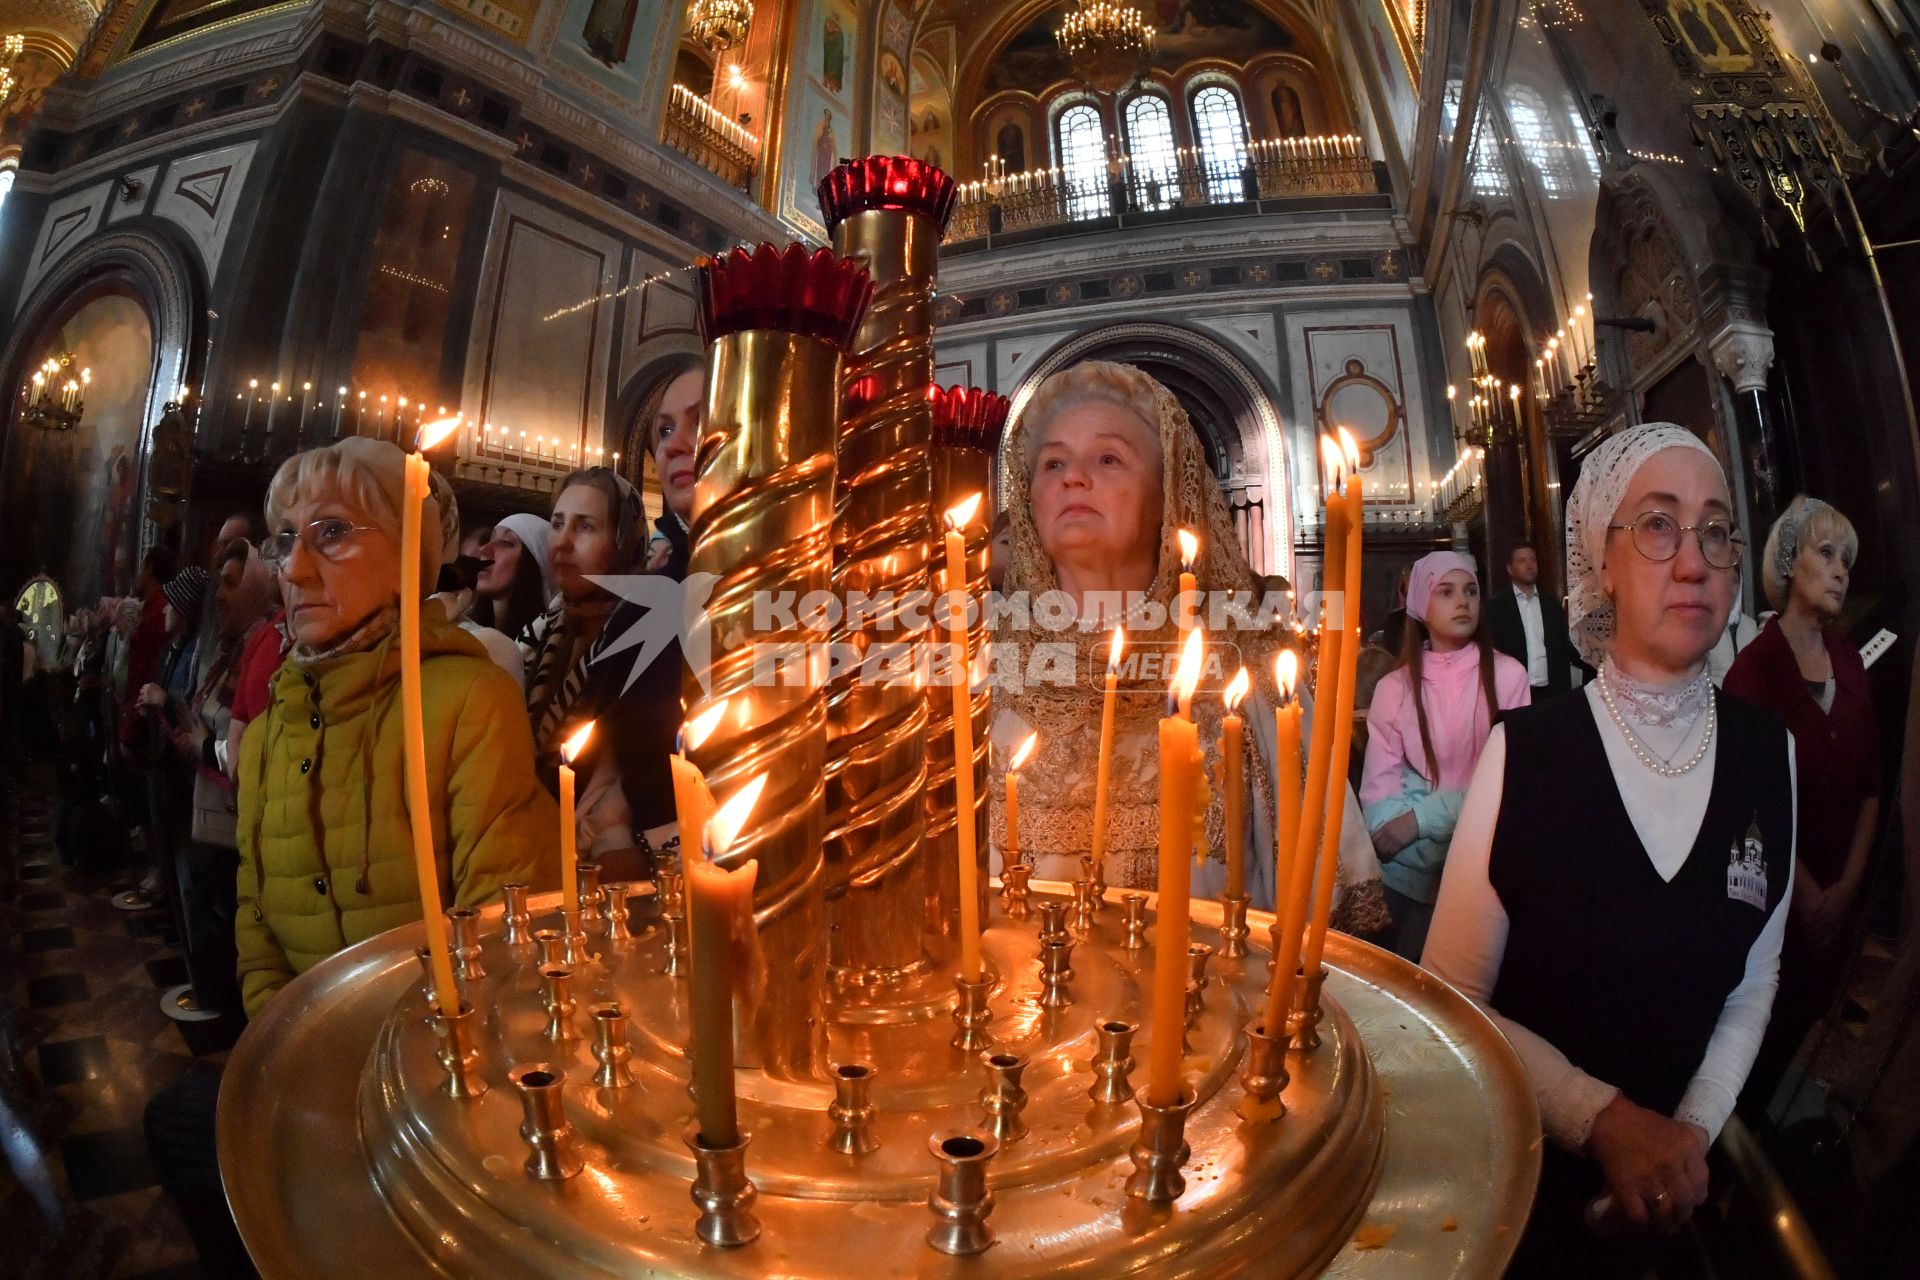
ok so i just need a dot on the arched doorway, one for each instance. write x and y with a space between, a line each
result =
1232 413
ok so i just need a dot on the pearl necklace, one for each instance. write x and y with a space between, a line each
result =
1640 750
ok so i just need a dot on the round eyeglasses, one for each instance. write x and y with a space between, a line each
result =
1656 535
327 537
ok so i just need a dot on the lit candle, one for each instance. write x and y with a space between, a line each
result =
359 412
1180 795
1336 798
1104 770
1286 796
1291 920
569 847
300 431
719 911
253 385
1232 750
417 486
692 802
273 402
339 409
1187 603
957 520
1020 754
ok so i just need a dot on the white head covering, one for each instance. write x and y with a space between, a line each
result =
533 532
1604 480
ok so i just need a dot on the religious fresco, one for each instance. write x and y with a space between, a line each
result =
74 493
1223 29
170 19
819 129
34 72
610 44
1379 48
890 111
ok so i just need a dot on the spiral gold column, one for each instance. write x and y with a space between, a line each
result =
966 433
887 213
776 325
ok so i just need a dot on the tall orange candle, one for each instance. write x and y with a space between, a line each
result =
569 846
957 520
1286 795
1020 754
418 479
1232 772
1316 942
1187 603
1103 772
1180 792
719 909
1292 920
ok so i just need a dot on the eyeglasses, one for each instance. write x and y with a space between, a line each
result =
1656 535
326 537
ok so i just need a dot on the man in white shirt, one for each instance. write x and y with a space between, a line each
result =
1531 628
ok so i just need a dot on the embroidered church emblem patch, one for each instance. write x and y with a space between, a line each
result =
1747 870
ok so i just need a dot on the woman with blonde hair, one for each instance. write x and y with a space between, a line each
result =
1103 471
1803 668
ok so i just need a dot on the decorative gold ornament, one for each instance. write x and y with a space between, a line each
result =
719 24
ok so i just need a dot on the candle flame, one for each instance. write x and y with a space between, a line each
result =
1237 689
1021 752
1186 677
961 514
1450 391
1189 547
1333 460
435 432
570 750
1350 450
1513 390
1114 649
731 816
1286 671
698 729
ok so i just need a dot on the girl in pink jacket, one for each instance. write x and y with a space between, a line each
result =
1421 750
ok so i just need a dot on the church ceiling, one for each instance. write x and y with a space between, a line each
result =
1185 31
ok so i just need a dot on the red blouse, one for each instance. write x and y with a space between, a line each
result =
1835 752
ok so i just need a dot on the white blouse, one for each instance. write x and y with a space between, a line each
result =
1469 934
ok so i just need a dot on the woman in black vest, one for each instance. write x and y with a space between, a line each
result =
1615 893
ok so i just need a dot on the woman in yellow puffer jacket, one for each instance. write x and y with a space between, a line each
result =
325 857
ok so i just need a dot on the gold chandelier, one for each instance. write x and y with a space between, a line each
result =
1107 44
719 24
10 50
56 395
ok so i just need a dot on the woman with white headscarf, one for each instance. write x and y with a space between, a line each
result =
1616 891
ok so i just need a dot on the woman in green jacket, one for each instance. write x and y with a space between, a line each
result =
325 846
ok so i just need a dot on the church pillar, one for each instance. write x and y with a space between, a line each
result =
1743 353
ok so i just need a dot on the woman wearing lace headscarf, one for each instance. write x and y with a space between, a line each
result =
1615 894
1103 470
1803 668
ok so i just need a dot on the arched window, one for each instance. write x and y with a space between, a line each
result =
1083 161
1156 178
1220 128
1534 138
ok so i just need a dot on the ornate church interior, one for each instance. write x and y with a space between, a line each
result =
1391 302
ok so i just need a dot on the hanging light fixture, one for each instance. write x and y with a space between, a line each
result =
10 50
56 396
1106 43
719 24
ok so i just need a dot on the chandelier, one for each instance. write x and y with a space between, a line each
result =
719 24
10 50
1107 44
56 395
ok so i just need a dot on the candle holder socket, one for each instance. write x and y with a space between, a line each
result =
1053 922
852 1110
672 890
619 915
1081 921
676 946
549 947
459 1052
960 1201
1266 1074
610 1047
1003 1097
1114 1062
1307 1013
1014 893
1095 874
463 924
1134 905
557 995
1160 1150
723 1192
427 993
1198 954
517 922
971 1013
588 902
1233 926
574 953
1056 972
552 1156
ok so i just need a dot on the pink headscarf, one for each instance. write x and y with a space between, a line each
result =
1427 571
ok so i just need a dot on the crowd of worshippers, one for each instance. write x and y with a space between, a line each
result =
1637 784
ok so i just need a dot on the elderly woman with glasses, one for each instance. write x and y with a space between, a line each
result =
324 835
1616 891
